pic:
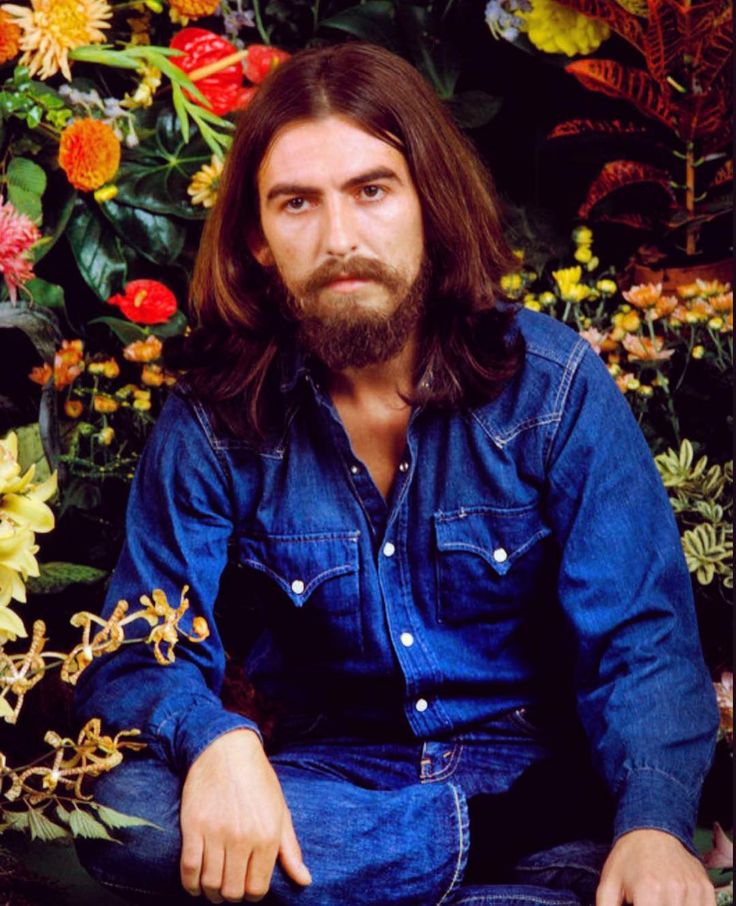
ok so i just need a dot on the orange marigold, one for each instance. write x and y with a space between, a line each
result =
89 153
9 38
194 9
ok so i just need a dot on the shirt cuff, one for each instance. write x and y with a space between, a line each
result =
187 735
652 799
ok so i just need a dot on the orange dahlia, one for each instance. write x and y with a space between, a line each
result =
89 153
192 9
9 38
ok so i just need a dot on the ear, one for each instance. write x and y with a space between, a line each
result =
260 250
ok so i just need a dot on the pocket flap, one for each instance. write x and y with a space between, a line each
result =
499 536
301 563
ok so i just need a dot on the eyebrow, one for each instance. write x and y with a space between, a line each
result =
292 188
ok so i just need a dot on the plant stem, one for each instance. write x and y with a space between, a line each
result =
691 229
259 22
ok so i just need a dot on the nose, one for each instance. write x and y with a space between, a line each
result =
339 228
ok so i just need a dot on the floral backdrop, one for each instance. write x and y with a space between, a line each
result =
607 125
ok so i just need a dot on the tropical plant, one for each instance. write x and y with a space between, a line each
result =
675 74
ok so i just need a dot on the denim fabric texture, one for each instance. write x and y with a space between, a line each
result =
527 558
378 823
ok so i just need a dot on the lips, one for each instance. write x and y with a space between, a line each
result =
347 283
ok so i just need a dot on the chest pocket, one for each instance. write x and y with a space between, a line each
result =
490 562
318 570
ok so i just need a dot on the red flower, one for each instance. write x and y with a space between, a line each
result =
145 302
261 60
223 89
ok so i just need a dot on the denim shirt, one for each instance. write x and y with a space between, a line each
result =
527 546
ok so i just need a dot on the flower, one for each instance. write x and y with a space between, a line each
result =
104 404
645 295
51 28
582 235
9 38
223 89
141 399
723 302
594 337
646 350
147 87
625 322
184 10
152 375
261 60
512 284
145 302
606 286
89 153
583 254
501 18
626 381
203 187
68 363
143 350
106 436
18 234
555 29
73 408
568 282
109 368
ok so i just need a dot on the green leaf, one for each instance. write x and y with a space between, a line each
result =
472 109
42 828
113 818
50 295
97 250
84 825
58 575
370 21
16 820
126 331
31 452
57 214
181 110
155 236
62 814
175 326
27 175
38 324
26 202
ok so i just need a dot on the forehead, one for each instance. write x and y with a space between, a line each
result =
332 149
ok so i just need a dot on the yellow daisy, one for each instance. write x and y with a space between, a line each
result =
51 28
203 187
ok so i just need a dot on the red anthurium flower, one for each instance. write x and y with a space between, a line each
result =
261 60
145 302
223 89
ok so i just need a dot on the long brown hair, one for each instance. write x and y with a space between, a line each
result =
231 359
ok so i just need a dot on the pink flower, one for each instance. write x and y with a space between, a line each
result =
17 234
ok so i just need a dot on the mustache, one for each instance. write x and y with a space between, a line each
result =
357 267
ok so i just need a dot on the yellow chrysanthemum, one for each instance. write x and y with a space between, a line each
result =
184 10
569 285
89 153
51 28
9 38
557 29
203 187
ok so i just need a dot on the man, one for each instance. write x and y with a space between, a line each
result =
452 527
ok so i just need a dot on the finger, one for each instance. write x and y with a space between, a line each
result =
609 893
190 863
290 854
260 870
213 860
234 871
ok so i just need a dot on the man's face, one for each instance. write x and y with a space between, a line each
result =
342 226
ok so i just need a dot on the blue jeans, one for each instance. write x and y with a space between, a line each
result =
386 823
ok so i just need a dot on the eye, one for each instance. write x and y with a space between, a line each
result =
296 204
372 192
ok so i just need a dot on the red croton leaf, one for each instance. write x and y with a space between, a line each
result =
675 31
223 89
617 18
724 175
625 83
596 127
620 174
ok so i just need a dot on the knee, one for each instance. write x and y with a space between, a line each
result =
143 858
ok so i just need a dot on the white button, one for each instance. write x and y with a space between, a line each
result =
500 555
388 549
297 586
403 467
407 639
421 704
354 470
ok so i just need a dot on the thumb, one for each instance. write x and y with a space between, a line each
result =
609 893
290 854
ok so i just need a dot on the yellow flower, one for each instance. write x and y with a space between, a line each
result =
568 282
627 321
184 10
141 399
51 28
17 561
106 193
547 298
698 352
606 287
143 350
583 254
715 323
533 304
107 367
203 187
645 390
104 404
106 436
143 95
582 235
555 29
512 284
152 375
21 502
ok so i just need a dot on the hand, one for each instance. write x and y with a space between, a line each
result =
235 823
652 868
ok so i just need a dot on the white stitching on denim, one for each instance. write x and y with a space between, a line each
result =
571 369
460 810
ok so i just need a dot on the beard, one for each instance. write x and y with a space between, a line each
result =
342 332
